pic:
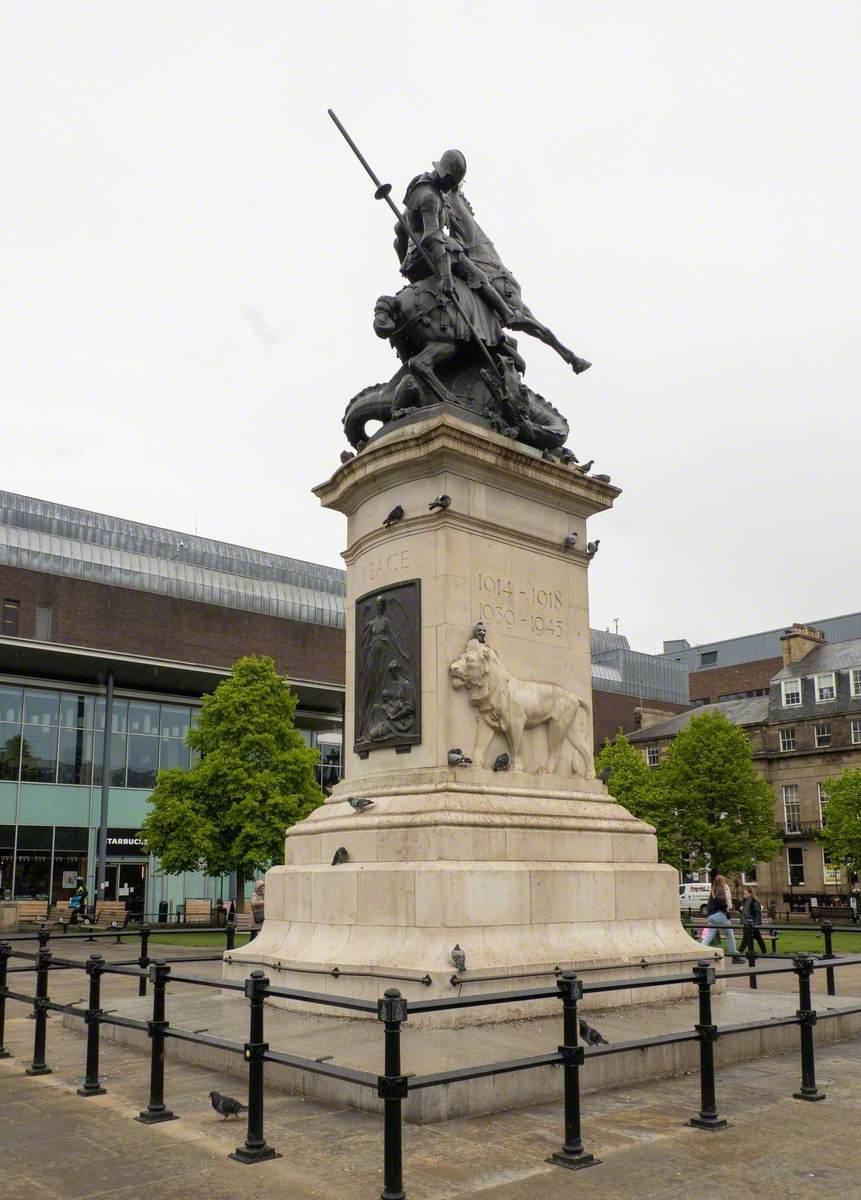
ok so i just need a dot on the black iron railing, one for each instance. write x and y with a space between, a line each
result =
394 1085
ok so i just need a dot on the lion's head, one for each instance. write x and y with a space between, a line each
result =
473 666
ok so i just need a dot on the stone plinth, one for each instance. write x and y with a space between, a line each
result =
525 870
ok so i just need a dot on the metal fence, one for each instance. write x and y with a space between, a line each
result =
394 1086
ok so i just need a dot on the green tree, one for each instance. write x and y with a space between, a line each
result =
723 810
637 788
254 777
841 835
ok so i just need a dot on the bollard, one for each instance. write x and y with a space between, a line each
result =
772 933
392 1090
572 1154
753 982
828 930
230 935
43 966
91 1085
255 1148
5 951
156 1110
704 974
806 1019
143 959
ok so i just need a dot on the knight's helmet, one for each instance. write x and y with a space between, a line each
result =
451 168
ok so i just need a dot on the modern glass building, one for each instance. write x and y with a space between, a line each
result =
103 614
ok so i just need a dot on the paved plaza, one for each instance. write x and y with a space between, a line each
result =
56 1144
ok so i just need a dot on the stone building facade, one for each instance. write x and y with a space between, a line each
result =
803 733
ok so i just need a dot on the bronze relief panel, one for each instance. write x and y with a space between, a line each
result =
388 668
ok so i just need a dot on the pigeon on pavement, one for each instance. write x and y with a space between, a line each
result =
226 1105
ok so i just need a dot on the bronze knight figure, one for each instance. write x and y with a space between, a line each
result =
449 324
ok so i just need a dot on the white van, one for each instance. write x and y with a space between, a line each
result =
694 897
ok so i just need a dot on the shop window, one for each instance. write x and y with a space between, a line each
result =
118 758
10 750
76 712
75 759
10 618
11 704
143 717
175 720
143 761
32 875
119 718
67 870
43 623
174 753
39 754
330 768
41 707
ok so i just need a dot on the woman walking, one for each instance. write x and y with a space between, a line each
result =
720 902
751 915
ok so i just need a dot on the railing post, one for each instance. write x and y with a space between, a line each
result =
5 952
40 1011
806 1020
392 1089
43 935
91 1085
143 958
156 1110
704 974
572 1154
230 934
255 1148
772 933
827 931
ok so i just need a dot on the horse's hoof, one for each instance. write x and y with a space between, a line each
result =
579 365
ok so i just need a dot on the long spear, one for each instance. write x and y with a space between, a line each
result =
383 193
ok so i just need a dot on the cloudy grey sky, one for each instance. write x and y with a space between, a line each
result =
190 257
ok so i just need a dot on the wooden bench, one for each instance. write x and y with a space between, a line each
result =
198 912
244 922
109 911
32 912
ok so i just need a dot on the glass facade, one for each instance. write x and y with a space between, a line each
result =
50 736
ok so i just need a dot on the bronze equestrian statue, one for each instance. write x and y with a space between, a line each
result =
448 325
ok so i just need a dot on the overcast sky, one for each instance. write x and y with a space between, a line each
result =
189 257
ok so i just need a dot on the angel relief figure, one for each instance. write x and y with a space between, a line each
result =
386 668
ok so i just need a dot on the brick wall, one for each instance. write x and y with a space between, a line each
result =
612 711
127 621
709 685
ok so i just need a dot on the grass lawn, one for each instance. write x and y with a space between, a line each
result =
216 940
792 941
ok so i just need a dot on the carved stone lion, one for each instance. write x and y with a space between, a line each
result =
514 705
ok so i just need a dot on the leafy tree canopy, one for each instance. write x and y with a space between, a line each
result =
637 788
254 777
722 808
841 835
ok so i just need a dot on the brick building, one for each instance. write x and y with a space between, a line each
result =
90 601
743 667
803 732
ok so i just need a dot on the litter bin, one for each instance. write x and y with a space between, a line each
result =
162 912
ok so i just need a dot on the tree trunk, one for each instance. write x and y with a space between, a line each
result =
240 891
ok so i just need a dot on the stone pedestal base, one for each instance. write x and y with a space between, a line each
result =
526 882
